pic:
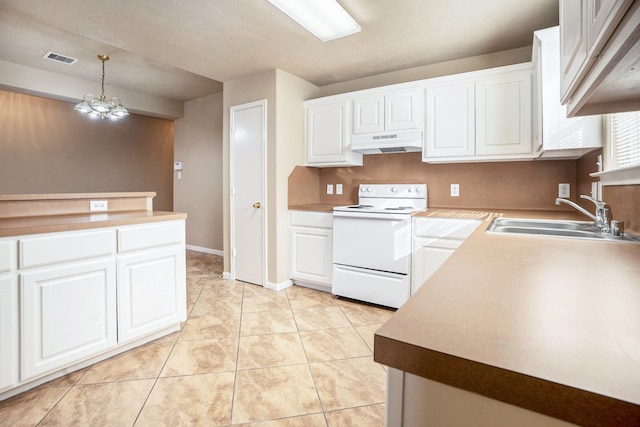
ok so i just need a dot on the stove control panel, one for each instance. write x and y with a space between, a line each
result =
391 191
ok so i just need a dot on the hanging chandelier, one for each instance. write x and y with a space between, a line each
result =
102 107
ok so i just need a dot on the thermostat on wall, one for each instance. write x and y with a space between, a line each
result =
177 166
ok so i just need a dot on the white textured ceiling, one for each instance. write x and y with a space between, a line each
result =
183 49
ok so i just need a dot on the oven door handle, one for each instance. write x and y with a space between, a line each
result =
365 215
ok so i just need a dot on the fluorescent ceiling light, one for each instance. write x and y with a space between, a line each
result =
325 19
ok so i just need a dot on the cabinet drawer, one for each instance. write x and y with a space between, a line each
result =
444 227
62 247
311 219
7 256
150 236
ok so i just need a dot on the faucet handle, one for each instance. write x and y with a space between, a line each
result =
599 204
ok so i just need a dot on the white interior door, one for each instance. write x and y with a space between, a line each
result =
248 141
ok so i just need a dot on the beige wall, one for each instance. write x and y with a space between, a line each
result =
474 63
237 92
47 147
198 145
284 93
291 91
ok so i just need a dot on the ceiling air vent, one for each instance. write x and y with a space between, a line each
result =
59 58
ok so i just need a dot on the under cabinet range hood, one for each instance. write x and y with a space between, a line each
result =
387 142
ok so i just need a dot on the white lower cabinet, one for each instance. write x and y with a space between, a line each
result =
312 249
148 296
435 240
8 331
68 313
67 298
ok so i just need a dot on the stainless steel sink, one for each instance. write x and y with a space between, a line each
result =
573 229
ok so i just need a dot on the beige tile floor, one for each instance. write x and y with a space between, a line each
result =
245 356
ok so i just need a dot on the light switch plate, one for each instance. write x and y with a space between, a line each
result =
338 188
564 191
329 188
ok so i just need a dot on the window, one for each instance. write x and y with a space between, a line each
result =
623 140
621 149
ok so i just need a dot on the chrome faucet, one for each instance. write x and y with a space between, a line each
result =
601 217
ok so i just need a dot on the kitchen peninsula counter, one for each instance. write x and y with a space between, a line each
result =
551 325
18 226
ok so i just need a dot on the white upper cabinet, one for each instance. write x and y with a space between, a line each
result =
479 116
598 53
556 135
399 110
368 114
503 113
450 126
328 133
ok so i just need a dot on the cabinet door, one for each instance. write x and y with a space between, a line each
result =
8 331
428 255
368 114
573 45
328 134
450 127
68 314
151 292
604 16
403 110
503 114
311 254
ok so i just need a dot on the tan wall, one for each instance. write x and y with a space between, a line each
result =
47 147
284 93
291 91
474 63
498 185
239 92
198 145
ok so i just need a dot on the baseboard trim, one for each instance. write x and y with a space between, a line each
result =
278 286
205 250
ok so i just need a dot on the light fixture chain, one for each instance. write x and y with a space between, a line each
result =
103 97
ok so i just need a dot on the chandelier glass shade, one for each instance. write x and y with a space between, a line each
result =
102 107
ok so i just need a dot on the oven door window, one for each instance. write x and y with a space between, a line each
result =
377 242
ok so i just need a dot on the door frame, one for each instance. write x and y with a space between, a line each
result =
232 179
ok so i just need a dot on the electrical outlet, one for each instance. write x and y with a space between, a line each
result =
455 190
564 191
329 188
98 205
338 188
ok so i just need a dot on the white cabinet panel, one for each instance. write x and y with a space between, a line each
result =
311 254
68 313
150 236
368 114
450 127
403 110
603 16
328 134
573 44
503 114
7 256
312 248
151 292
53 248
434 241
8 331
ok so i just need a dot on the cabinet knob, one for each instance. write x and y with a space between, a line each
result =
257 205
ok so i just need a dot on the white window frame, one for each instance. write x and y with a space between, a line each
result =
617 169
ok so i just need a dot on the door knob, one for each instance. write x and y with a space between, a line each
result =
257 205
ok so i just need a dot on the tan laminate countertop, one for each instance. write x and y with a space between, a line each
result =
548 324
19 226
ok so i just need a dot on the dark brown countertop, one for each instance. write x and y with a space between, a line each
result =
51 223
548 324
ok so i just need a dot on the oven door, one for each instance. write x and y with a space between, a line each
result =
373 241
